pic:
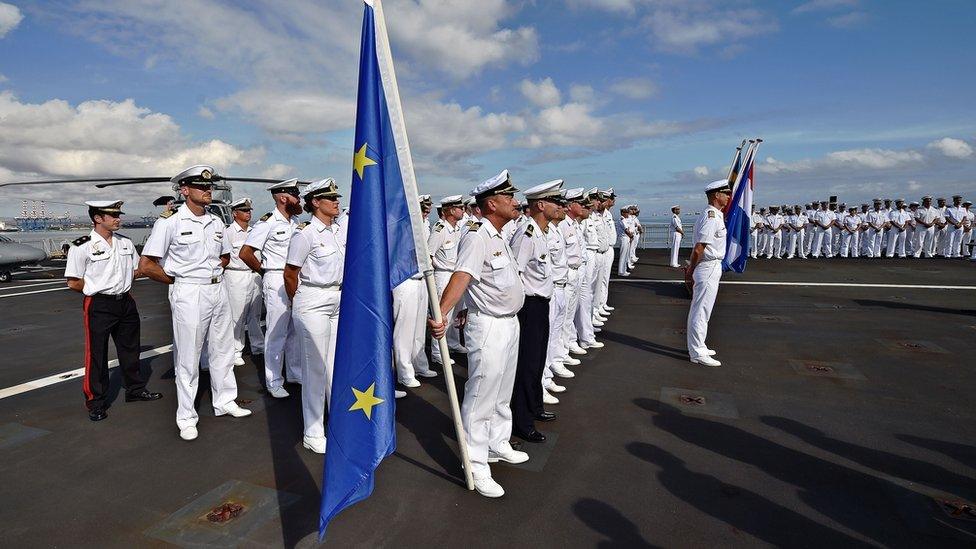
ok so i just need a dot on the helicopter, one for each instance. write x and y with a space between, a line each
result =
14 255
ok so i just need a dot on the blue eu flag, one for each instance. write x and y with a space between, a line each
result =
380 253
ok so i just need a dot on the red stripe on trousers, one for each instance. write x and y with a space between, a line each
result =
85 385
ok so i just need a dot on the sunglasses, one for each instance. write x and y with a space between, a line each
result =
200 186
242 209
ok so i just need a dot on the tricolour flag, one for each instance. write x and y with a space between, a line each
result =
738 219
734 174
384 247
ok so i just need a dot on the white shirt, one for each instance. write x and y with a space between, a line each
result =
496 287
557 255
531 250
900 216
573 236
775 222
188 245
710 230
591 232
624 224
757 219
272 236
105 268
676 224
852 222
876 219
235 235
955 214
443 246
320 251
611 227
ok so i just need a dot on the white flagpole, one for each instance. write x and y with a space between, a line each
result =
736 156
392 92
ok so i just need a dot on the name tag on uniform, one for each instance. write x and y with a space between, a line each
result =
186 233
280 232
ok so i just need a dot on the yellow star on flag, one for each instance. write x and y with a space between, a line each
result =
365 400
360 161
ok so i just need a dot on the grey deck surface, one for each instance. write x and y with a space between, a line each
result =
840 416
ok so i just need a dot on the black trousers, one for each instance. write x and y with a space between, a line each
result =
533 343
107 316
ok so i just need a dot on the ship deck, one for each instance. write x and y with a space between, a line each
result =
843 415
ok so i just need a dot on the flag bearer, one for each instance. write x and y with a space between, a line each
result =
187 249
487 271
313 284
243 284
705 268
271 237
443 247
675 233
101 265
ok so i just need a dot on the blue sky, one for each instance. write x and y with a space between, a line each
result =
859 98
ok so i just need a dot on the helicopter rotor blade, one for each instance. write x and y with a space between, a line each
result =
116 182
259 180
86 180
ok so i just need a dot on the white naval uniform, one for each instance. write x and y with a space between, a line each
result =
494 297
610 233
443 247
575 257
925 236
243 292
558 306
635 243
875 219
850 239
954 214
584 314
896 236
775 248
319 251
810 231
674 238
709 230
754 232
410 306
625 224
105 268
604 258
271 236
941 232
819 233
189 249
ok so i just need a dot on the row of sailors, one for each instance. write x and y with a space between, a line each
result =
905 230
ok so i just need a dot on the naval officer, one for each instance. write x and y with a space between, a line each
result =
443 247
101 265
627 231
558 305
705 268
487 271
271 237
313 284
572 231
675 232
187 249
243 284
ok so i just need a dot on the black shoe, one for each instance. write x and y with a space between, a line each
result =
546 416
97 414
143 395
532 436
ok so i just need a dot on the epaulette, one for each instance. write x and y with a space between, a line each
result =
81 240
471 223
711 213
266 216
474 225
304 224
438 226
120 235
529 229
167 214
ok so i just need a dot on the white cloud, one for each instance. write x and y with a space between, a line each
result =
825 5
581 93
848 20
914 185
874 158
619 6
701 171
688 27
10 17
3 78
635 88
289 112
542 93
204 112
951 147
277 171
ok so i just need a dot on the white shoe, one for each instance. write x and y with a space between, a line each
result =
548 398
706 361
595 345
238 361
623 274
188 433
576 349
597 330
410 383
570 361
609 308
441 362
554 388
314 444
602 317
397 393
710 352
562 371
428 373
597 323
488 487
278 392
506 453
233 409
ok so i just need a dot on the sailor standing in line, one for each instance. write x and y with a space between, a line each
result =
775 248
967 234
638 233
243 285
625 229
271 237
850 235
187 249
576 212
487 272
101 266
443 247
313 284
955 215
705 268
604 245
910 233
610 233
675 232
410 306
876 220
585 327
756 227
559 314
799 223
899 219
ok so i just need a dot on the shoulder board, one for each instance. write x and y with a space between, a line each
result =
471 223
120 235
529 229
438 227
303 224
711 213
474 225
167 214
266 216
81 240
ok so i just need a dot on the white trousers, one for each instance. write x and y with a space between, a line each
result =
246 300
955 242
441 278
557 318
942 241
315 313
808 241
410 305
584 312
761 241
633 250
573 289
753 243
924 241
280 343
675 242
603 280
849 244
201 313
486 412
896 243
818 241
775 248
623 261
706 275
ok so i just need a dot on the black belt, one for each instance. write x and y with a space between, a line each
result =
114 297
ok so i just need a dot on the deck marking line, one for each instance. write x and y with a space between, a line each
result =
38 283
830 284
73 374
47 290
